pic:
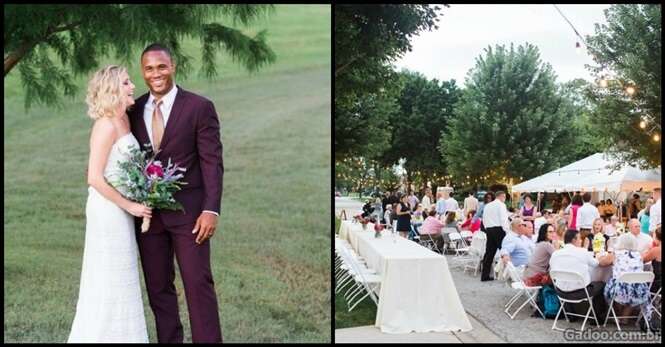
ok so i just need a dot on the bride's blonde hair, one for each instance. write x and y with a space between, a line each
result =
105 91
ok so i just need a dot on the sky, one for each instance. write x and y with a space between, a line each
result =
466 30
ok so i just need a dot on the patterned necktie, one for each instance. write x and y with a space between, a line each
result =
157 125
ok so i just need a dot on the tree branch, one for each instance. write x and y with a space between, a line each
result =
341 68
14 57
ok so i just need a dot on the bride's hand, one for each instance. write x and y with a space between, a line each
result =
139 210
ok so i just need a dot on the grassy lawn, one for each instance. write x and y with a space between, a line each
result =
363 314
271 256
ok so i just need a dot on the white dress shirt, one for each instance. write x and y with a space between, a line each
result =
470 203
585 216
451 205
427 203
166 106
495 214
654 216
644 242
575 259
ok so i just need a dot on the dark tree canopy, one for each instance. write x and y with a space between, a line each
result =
510 121
627 51
79 36
367 39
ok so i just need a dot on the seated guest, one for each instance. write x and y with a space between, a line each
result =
653 255
536 272
628 259
387 217
514 247
529 236
597 228
541 219
472 224
573 257
644 241
432 226
450 224
610 229
367 209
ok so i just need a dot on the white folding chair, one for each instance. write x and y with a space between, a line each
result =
428 242
656 301
365 281
467 235
455 240
476 252
645 277
559 277
518 284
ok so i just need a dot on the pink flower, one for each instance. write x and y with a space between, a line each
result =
155 170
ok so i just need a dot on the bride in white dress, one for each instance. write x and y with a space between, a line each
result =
109 308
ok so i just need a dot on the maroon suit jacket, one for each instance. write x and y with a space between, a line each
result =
192 140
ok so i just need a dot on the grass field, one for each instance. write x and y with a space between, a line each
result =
271 255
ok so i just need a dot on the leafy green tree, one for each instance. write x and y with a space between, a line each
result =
510 122
586 137
79 36
367 39
627 51
424 107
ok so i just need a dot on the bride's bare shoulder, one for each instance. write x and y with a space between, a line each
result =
103 129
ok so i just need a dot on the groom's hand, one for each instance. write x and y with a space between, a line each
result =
205 226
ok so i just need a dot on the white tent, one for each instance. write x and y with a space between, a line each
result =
593 174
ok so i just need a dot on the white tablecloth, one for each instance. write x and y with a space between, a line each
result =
417 291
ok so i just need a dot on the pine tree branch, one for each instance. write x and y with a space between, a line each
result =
14 57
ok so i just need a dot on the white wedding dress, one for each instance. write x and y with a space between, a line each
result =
109 308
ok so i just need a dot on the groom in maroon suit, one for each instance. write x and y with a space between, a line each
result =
183 126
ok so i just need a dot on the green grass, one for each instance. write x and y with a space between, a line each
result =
363 314
271 255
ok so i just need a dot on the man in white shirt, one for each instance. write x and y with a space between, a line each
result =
586 215
470 203
495 220
427 199
654 212
644 241
451 204
573 257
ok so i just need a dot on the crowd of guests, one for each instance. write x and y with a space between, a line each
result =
574 235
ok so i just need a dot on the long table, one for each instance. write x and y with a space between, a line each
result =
417 292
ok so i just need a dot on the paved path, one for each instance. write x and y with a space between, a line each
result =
351 206
485 301
371 334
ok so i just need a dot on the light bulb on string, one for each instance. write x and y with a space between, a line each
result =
603 82
630 90
643 124
578 48
656 137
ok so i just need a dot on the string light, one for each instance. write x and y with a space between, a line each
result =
578 48
656 137
643 124
630 90
603 82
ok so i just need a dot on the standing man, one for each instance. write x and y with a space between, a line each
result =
654 212
585 217
470 203
495 219
184 127
427 199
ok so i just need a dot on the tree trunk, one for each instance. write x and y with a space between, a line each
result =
14 57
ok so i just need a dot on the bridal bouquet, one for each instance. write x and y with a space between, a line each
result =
146 181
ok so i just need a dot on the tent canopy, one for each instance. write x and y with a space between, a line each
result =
590 174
